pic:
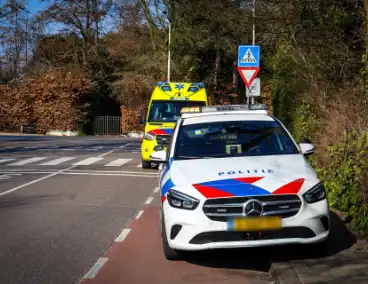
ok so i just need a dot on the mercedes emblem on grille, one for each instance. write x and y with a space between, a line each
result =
253 207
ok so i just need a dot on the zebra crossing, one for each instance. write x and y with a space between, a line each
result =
69 161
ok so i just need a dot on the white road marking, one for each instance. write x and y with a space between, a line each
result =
32 182
5 177
122 235
139 166
35 171
27 161
139 214
95 268
118 162
156 189
124 146
118 172
57 161
105 174
104 154
6 160
9 176
43 178
149 200
88 161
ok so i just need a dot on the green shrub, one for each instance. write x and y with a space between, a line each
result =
305 122
283 92
345 177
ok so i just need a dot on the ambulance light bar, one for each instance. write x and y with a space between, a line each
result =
190 110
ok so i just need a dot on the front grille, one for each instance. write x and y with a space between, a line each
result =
163 139
221 209
231 236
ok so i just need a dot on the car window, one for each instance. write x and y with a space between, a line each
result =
234 138
169 111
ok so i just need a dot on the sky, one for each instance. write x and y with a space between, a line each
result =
36 5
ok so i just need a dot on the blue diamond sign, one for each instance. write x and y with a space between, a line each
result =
248 56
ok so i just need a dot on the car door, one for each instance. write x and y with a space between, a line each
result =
162 168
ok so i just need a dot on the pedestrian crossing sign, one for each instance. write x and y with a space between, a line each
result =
248 56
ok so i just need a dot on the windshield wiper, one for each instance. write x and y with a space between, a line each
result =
194 157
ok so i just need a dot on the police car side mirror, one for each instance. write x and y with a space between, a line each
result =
306 141
159 156
306 148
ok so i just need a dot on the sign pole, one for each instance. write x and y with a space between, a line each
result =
254 32
169 55
254 23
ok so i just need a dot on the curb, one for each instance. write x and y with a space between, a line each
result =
19 134
283 273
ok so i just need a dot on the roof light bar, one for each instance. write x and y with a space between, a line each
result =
234 107
219 108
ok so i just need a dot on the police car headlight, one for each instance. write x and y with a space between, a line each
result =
315 194
148 136
180 200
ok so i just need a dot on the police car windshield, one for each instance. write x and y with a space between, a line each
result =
233 139
169 111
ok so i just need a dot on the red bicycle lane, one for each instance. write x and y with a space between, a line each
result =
139 259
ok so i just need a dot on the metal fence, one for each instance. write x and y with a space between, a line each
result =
107 125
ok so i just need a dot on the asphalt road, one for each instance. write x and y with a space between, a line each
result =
82 210
78 209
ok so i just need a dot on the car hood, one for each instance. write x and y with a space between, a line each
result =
242 176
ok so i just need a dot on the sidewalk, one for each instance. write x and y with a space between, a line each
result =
346 260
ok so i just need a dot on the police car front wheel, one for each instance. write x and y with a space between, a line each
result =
170 254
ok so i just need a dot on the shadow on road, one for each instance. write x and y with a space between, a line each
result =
12 202
340 239
261 258
249 259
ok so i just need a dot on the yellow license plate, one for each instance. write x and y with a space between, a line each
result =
255 224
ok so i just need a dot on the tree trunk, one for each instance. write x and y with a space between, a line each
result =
366 32
152 26
217 68
97 21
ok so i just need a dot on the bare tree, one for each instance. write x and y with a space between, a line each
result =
81 18
14 25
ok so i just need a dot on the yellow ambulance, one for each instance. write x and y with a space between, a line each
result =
165 104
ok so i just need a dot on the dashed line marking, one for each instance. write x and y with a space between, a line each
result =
95 268
6 160
118 162
57 161
139 214
88 161
156 189
139 166
122 235
27 161
149 200
45 177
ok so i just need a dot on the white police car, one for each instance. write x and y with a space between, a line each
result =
233 177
